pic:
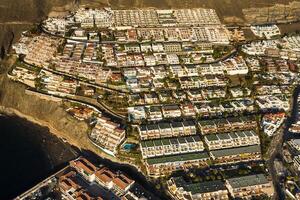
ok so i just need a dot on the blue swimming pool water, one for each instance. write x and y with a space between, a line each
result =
128 146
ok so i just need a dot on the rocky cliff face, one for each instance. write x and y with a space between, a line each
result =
28 10
15 100
279 13
18 15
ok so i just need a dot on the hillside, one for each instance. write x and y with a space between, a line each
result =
17 15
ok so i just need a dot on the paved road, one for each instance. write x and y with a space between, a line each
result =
274 151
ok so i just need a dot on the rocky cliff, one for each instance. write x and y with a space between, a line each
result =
44 111
279 13
14 99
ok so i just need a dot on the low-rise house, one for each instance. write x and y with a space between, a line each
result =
70 187
136 99
154 113
159 72
160 166
223 125
136 113
143 72
150 131
115 182
178 128
272 102
213 93
211 69
165 130
230 140
189 82
132 83
129 72
21 47
85 168
165 96
131 35
103 75
296 162
202 109
228 107
188 110
187 34
208 190
179 95
172 47
239 92
171 146
267 31
172 59
212 81
227 125
195 95
271 122
171 34
171 111
191 70
157 47
294 145
160 58
178 71
150 60
81 113
189 127
76 181
151 98
23 75
247 187
58 85
236 155
146 47
158 83
235 66
207 127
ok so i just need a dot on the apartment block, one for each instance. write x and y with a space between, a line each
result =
230 140
207 190
247 187
164 130
236 155
160 166
171 146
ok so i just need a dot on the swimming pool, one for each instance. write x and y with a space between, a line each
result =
129 146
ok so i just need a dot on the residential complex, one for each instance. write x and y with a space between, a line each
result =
250 186
208 190
244 187
161 130
229 140
171 92
160 147
236 155
107 135
83 180
164 165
